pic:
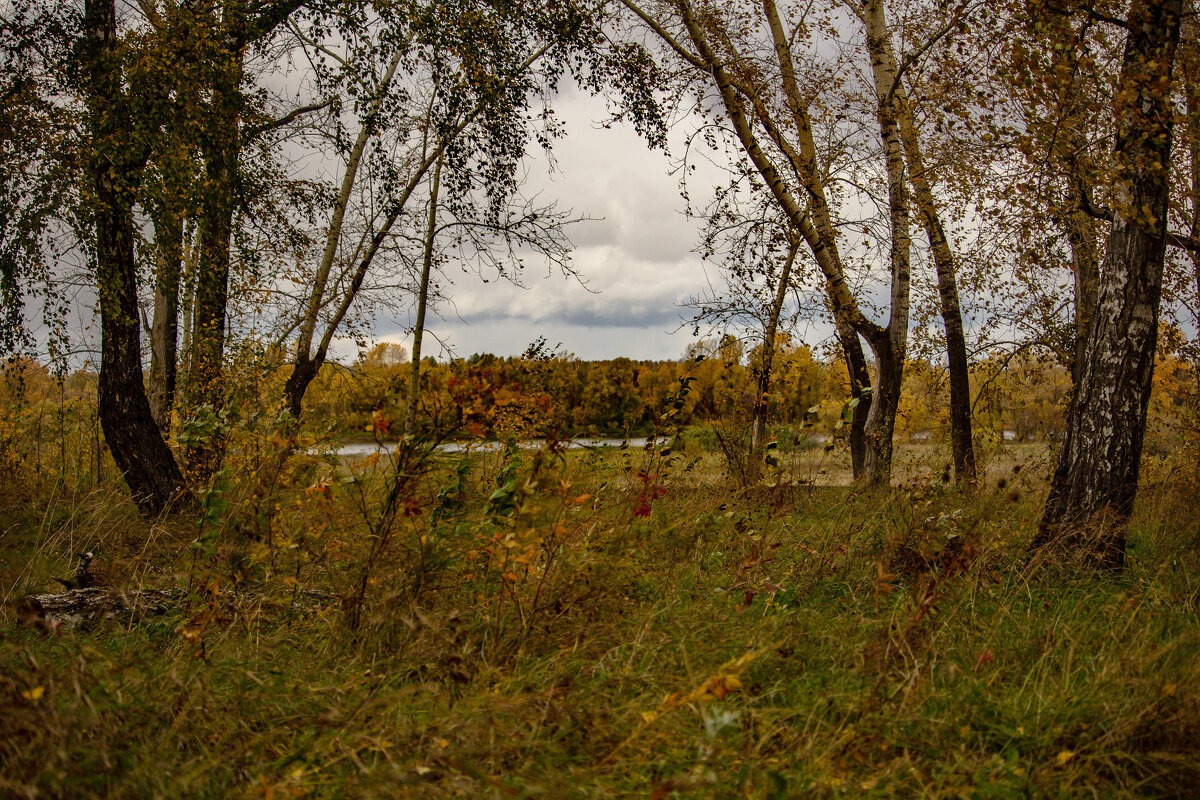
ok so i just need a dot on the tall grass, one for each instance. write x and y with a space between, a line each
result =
609 624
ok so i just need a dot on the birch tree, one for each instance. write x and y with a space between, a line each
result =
469 102
776 132
893 96
1095 482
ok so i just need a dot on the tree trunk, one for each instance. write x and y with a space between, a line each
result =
1095 483
859 375
307 363
220 148
1082 228
139 451
414 374
962 444
847 317
164 334
813 224
1085 261
1192 91
891 347
763 384
303 372
881 421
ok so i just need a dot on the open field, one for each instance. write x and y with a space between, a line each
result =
609 624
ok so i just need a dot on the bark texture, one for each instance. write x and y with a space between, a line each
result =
220 152
133 438
164 332
962 443
1096 481
414 375
890 346
767 357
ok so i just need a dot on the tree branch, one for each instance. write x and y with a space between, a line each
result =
269 15
255 131
666 36
1087 206
1090 12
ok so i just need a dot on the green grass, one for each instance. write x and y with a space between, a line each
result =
766 642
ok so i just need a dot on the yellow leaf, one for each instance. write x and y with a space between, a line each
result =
649 716
1169 690
34 694
1064 756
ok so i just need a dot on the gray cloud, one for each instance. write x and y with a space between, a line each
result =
637 262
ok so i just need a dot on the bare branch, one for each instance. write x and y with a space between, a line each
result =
288 118
666 36
1089 207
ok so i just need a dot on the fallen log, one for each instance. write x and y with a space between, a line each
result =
77 608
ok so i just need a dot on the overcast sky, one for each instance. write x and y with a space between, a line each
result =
635 257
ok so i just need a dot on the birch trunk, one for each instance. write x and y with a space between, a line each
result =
758 431
307 366
891 346
1192 91
164 333
414 374
221 151
962 444
806 165
306 363
1082 228
859 375
848 316
1085 261
1095 483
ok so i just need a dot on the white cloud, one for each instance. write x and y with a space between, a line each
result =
635 256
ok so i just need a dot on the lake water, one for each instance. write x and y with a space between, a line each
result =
358 449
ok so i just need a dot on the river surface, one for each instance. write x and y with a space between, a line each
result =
358 449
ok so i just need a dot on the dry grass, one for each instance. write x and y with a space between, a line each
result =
545 640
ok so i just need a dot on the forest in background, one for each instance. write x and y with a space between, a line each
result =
490 398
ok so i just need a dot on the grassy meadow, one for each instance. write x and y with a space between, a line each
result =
606 623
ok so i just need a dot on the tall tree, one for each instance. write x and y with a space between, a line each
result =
228 29
897 112
792 174
119 151
1095 482
474 72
